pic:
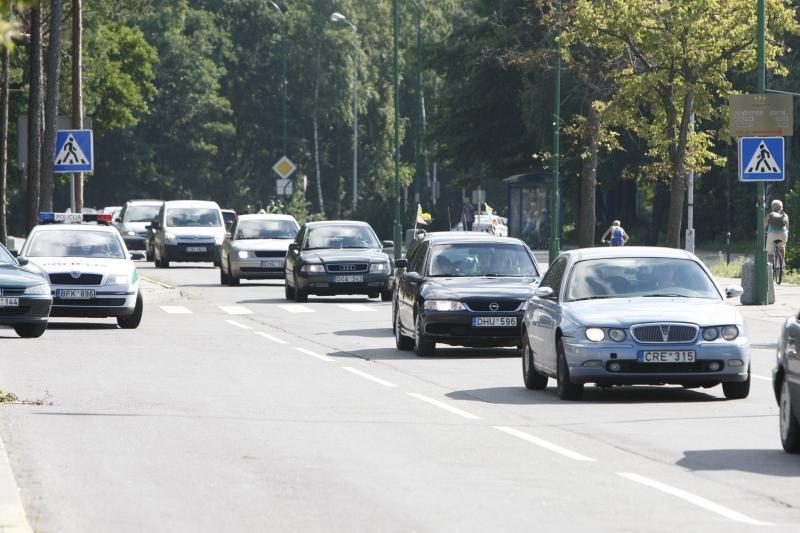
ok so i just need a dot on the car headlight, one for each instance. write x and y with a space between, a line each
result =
379 267
130 233
595 334
444 305
170 237
218 239
617 335
729 333
40 290
118 279
710 334
311 268
243 254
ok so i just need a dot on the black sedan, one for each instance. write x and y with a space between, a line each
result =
463 290
25 298
338 257
786 383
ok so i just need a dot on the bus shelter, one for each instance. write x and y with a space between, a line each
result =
529 203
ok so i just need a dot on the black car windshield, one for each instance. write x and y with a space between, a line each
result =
192 217
341 236
141 213
481 259
266 229
67 243
634 277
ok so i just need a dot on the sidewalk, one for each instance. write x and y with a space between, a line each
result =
787 300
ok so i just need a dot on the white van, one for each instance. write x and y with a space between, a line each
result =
187 230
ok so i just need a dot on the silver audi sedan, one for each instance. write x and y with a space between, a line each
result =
256 247
633 315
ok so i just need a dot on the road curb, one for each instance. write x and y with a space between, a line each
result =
12 513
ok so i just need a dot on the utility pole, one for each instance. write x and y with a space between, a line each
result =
34 117
4 147
761 287
554 208
398 230
690 202
418 174
76 189
47 176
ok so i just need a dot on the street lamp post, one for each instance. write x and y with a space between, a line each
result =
338 17
398 238
283 78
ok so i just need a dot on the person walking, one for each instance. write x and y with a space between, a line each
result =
617 234
777 225
467 215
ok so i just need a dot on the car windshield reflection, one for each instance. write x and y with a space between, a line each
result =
266 229
98 244
326 237
481 260
639 277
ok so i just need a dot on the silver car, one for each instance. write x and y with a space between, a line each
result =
633 315
786 384
256 247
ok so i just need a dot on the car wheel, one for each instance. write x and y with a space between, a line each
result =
223 278
299 294
30 331
737 390
373 295
288 290
132 321
423 346
386 296
566 389
790 427
402 342
532 378
233 281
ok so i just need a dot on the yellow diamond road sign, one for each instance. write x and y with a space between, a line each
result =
284 167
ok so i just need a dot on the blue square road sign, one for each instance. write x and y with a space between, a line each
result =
761 159
74 151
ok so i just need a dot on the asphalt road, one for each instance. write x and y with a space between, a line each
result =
230 409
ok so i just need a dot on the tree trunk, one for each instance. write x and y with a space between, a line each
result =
4 148
34 117
77 91
316 138
678 178
588 217
51 107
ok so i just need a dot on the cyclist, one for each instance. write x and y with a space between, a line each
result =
618 235
777 225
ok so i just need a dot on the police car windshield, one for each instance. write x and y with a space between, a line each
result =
266 229
141 213
67 243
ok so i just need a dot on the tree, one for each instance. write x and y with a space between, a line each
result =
34 116
46 179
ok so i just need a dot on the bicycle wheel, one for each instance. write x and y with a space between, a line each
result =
778 267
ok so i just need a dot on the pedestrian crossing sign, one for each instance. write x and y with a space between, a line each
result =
74 151
761 159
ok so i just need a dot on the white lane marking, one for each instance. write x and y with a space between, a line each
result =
359 308
296 308
544 444
235 310
318 356
442 405
694 499
175 310
271 338
12 513
237 324
379 381
760 377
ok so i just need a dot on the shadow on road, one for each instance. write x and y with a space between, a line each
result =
591 395
392 354
80 325
372 333
768 462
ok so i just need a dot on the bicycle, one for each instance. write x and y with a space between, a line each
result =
777 261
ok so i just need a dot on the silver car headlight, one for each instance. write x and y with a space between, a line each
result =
730 333
379 267
710 334
444 305
170 237
38 290
243 254
595 334
218 239
118 279
312 268
616 334
130 233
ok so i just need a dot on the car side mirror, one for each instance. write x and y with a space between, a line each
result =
21 260
155 224
148 227
733 291
388 244
15 253
136 255
414 277
293 247
543 292
401 263
117 219
227 234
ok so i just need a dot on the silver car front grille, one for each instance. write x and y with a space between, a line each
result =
660 333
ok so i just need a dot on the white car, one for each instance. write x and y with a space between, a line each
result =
490 224
256 247
90 271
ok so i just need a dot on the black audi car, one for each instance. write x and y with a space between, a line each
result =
338 257
462 289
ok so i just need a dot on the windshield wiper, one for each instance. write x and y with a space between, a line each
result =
664 295
604 297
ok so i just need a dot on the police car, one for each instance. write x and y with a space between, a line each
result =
90 271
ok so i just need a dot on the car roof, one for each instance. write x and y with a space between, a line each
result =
336 223
144 202
75 227
266 216
453 237
610 252
191 203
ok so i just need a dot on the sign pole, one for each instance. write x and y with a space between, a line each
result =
761 281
